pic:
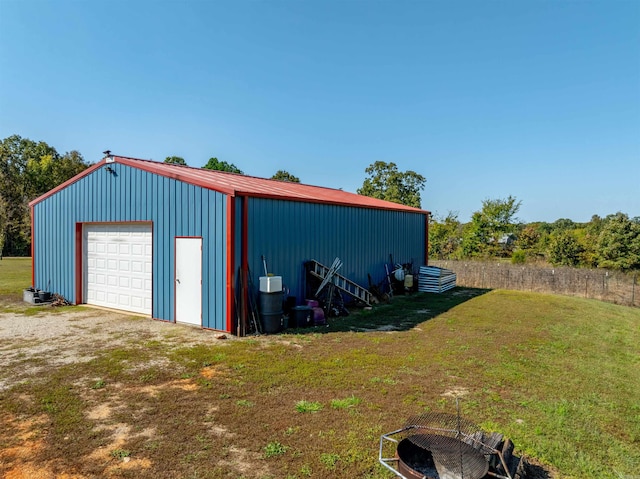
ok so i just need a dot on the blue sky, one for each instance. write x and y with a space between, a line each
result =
536 99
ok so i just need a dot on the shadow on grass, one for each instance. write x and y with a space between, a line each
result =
401 314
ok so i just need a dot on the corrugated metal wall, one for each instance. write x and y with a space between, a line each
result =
289 233
175 209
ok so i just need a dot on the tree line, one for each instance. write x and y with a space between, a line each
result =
29 169
611 242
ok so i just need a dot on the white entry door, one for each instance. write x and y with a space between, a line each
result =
118 266
189 280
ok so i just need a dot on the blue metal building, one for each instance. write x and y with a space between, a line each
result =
172 241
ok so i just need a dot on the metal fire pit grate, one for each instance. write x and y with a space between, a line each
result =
446 426
454 448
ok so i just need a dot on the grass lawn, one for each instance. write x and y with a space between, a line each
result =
15 275
560 376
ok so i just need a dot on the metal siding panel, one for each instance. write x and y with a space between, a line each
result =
237 235
220 245
183 199
141 190
159 227
169 234
123 200
206 256
163 234
197 211
188 219
290 233
64 238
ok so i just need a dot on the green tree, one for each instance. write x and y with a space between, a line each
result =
589 239
215 164
3 222
175 160
482 236
18 188
618 244
563 224
564 248
283 175
445 236
68 166
528 239
28 169
386 182
44 173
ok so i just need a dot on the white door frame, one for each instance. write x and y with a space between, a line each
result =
188 280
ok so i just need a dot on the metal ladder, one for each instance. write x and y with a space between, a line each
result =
343 284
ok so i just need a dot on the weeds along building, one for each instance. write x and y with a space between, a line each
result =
171 241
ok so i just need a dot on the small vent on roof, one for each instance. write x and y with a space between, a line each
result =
108 156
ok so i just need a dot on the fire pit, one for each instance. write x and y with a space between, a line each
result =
433 456
445 446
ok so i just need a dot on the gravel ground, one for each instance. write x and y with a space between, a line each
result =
28 344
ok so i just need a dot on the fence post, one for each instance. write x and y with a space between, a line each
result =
633 290
586 284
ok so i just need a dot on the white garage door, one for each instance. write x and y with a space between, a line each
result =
117 266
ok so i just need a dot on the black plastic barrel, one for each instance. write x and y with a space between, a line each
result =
271 302
271 322
271 312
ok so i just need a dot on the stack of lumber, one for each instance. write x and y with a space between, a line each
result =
435 280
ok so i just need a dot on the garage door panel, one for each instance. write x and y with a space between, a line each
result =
137 302
118 266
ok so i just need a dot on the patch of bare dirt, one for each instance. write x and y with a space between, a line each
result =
25 441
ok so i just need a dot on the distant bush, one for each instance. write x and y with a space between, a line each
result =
519 257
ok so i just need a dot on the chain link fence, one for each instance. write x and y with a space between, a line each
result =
611 286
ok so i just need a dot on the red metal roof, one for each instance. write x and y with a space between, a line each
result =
243 185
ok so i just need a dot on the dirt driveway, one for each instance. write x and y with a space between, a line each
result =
35 343
34 348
